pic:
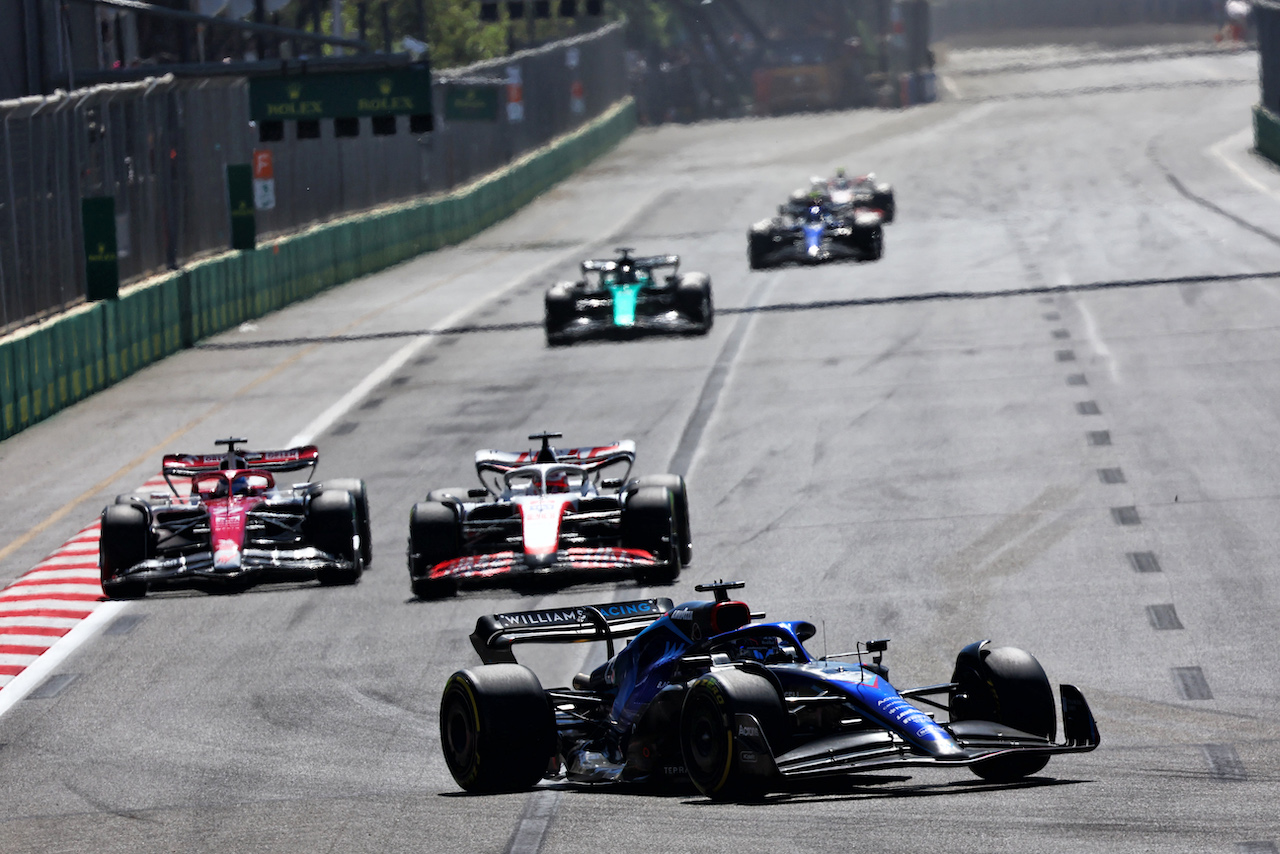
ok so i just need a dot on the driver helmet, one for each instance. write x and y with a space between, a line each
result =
557 481
240 485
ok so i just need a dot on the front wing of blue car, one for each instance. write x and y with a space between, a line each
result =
878 749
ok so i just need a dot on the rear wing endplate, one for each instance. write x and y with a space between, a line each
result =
495 634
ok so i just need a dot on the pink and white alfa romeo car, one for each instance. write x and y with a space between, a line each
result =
236 526
550 516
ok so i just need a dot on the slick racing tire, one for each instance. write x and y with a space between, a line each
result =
125 542
1007 686
729 757
649 524
875 247
497 728
675 483
433 538
757 246
332 526
883 199
693 299
560 305
358 491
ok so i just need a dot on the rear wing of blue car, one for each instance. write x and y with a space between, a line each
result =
496 634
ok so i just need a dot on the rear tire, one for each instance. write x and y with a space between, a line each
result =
649 524
1008 686
718 763
125 542
358 491
433 539
332 526
497 728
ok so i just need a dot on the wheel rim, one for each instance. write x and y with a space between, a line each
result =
706 742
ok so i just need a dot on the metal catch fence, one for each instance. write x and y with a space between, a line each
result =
160 147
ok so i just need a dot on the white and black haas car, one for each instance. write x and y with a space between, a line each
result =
550 517
625 297
809 229
863 191
235 526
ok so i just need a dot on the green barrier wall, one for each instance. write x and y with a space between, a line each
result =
52 365
1266 133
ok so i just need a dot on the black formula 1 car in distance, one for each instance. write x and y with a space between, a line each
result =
627 296
235 526
709 693
550 517
810 230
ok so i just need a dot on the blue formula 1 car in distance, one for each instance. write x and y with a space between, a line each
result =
706 692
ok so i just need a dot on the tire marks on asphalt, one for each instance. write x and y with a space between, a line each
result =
682 459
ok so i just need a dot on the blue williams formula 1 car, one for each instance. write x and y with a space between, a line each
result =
707 694
625 297
812 230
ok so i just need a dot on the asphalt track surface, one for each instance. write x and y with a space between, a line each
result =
884 456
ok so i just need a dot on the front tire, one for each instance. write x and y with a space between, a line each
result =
497 728
559 305
433 539
649 524
124 542
361 495
693 296
883 199
1008 686
333 527
757 246
721 763
675 483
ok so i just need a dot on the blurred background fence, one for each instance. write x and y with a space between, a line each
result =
160 148
952 17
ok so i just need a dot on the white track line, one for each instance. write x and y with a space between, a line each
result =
1234 142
